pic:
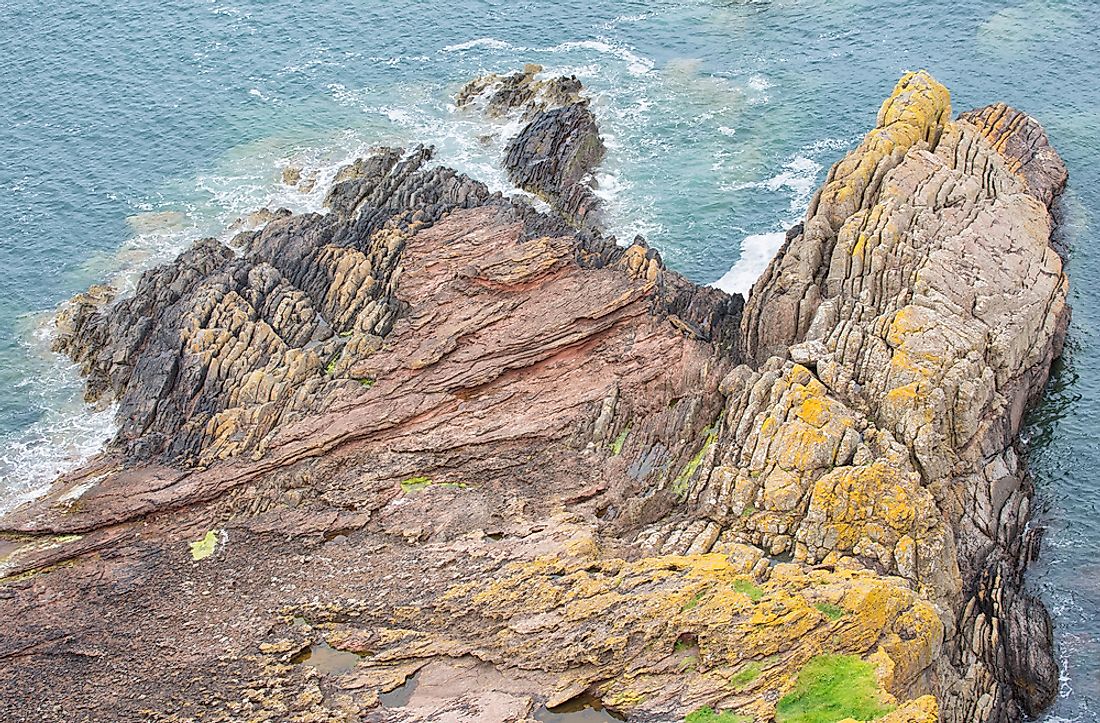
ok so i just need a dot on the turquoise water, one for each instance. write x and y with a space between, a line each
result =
129 128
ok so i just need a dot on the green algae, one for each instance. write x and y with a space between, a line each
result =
14 546
617 445
681 484
746 675
420 483
415 484
36 571
693 602
746 587
831 688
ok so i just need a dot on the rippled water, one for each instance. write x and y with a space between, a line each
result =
129 128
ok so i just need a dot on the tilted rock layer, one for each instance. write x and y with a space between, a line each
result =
434 455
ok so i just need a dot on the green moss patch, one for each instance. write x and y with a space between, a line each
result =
617 445
746 587
694 601
833 612
421 483
831 688
415 484
742 678
204 548
706 714
682 483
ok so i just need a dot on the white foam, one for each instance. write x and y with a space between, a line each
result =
67 434
757 251
759 82
257 93
636 64
632 18
799 177
69 431
491 43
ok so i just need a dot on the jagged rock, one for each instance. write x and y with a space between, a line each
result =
520 92
557 152
554 156
909 270
463 441
292 175
304 181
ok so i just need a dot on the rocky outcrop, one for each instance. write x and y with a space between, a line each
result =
524 92
434 455
557 152
924 289
554 157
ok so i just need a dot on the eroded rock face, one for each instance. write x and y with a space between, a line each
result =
492 453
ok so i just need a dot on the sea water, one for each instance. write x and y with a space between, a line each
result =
129 129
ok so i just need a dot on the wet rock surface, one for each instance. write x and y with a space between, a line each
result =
556 153
484 449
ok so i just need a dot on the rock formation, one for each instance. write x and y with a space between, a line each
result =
434 455
558 150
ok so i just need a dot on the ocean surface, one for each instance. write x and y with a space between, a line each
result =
129 129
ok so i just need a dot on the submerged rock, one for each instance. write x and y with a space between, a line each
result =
441 434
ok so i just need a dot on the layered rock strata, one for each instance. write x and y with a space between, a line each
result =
434 455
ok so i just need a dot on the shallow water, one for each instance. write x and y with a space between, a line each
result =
130 128
402 694
327 659
582 709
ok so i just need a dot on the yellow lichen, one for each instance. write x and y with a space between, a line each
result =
914 112
204 548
